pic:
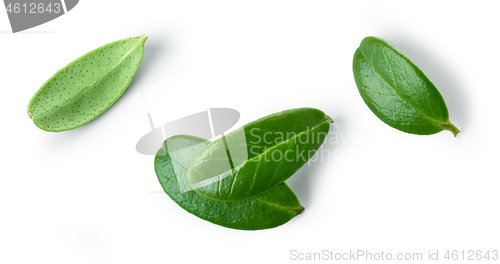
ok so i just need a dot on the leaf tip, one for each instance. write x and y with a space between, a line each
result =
329 119
143 39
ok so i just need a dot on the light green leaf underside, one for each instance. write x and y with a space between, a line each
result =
85 88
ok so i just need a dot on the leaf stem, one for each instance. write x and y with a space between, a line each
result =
452 128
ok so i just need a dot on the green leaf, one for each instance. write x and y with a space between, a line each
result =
269 210
86 87
397 91
258 156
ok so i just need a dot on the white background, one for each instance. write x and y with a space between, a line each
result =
86 196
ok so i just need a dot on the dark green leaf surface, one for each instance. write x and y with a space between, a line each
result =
275 147
86 87
269 210
397 91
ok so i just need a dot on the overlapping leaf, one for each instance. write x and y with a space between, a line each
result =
269 210
259 156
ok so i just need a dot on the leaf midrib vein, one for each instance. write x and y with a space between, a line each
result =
88 87
287 209
404 100
278 206
227 173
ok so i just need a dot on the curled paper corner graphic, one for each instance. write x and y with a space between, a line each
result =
28 14
208 124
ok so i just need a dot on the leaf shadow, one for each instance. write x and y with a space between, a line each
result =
304 180
155 53
59 142
149 72
438 71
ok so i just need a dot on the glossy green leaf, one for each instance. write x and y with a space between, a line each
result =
86 87
258 156
269 210
397 91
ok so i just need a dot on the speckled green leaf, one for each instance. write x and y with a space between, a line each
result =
397 91
86 87
269 210
277 146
